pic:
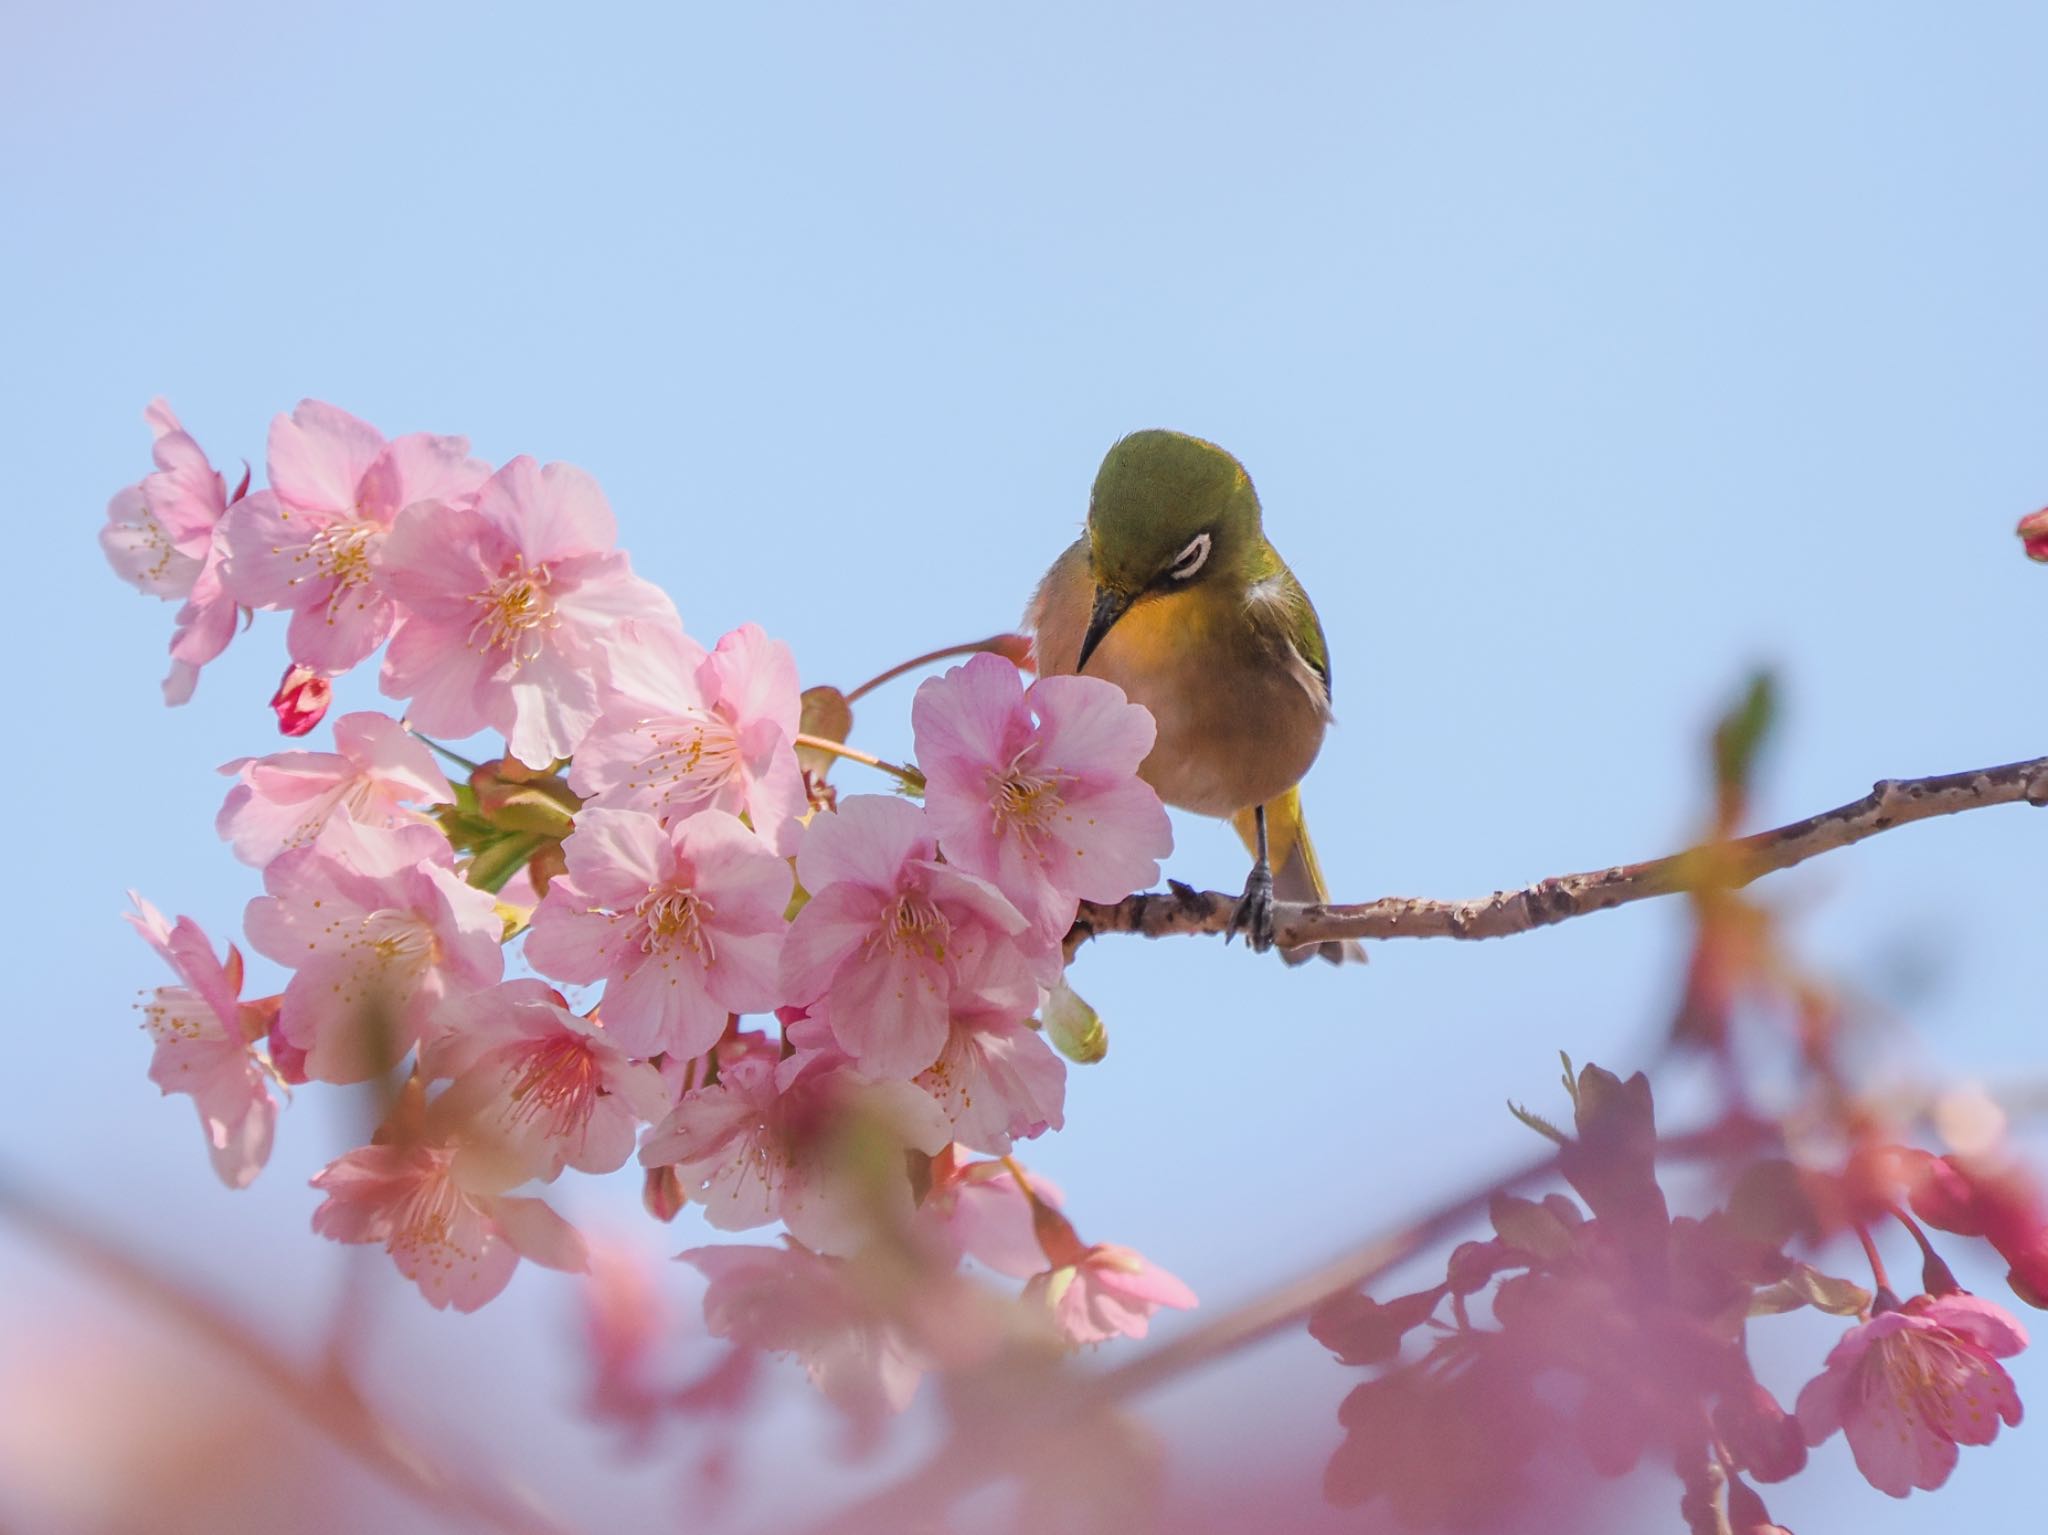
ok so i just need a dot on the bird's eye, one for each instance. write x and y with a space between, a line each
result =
1190 559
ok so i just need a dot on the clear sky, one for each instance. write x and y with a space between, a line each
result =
1584 356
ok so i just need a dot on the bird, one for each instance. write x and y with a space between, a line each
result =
1174 594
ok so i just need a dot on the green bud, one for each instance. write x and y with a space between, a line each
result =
1075 1028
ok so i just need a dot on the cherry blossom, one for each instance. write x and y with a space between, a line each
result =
997 1079
380 930
1911 1384
683 924
1100 1292
772 1141
375 770
510 605
202 1032
458 1245
685 730
892 941
163 537
789 1300
979 1210
1037 789
536 1088
313 542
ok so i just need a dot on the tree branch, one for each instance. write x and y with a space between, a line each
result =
1892 802
328 1401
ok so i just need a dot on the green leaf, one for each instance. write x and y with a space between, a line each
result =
496 863
1537 1122
1808 1286
1742 731
1529 1227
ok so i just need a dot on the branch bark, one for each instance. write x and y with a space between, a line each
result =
1730 865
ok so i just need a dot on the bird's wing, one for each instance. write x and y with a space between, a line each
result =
1281 608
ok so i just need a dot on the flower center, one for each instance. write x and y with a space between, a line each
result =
1024 800
515 610
341 553
557 1082
399 938
693 756
424 1226
176 1012
912 925
675 919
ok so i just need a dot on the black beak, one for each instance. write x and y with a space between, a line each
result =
1109 607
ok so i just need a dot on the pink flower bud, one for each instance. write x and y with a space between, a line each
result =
1746 1512
661 1191
2033 532
1763 1437
301 700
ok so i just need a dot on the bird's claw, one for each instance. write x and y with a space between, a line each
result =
1254 914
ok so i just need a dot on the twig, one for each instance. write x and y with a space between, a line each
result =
997 644
1892 802
910 777
326 1401
970 1458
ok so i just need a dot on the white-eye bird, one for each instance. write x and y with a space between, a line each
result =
1174 594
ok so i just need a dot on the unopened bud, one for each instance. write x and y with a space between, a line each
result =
1074 1028
1016 649
1746 1512
661 1191
301 700
2033 532
515 797
1764 1439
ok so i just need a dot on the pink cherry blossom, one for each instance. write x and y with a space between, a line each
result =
892 941
978 1209
1106 1292
1911 1384
1037 789
511 609
536 1088
313 542
163 537
459 1246
769 1141
683 925
159 530
380 930
997 1079
202 1032
684 730
301 700
793 1301
282 801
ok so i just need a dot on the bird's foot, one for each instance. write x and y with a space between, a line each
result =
1254 914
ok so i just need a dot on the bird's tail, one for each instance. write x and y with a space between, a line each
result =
1296 874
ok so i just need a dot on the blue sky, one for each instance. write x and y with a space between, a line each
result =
1584 355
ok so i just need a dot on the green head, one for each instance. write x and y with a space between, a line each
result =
1168 511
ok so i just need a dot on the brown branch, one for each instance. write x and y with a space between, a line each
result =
1892 802
977 1451
327 1401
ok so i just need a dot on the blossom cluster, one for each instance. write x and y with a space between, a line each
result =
792 1007
1647 1316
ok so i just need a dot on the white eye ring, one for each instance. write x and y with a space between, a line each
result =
1190 559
